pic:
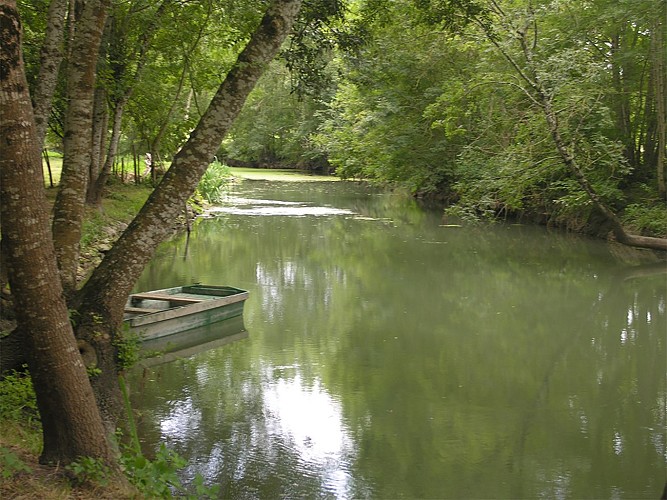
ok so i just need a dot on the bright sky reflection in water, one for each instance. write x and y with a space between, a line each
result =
245 206
301 417
183 416
311 421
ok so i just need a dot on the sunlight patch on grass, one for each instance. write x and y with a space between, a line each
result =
278 175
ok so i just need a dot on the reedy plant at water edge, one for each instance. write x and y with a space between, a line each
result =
214 182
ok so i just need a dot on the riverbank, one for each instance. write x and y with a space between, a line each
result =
21 474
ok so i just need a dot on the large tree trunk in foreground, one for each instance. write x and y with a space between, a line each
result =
105 293
77 143
71 422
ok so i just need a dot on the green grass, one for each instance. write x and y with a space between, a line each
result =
278 175
56 162
121 204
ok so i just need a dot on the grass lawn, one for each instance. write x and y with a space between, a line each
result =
278 175
56 163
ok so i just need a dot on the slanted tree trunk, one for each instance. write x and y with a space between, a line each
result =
104 294
71 421
77 143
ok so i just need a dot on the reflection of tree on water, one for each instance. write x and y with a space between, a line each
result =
618 386
283 437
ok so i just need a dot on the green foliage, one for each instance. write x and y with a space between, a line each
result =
93 371
318 30
87 470
214 182
158 478
127 346
194 46
445 112
154 478
11 464
276 125
17 397
648 220
388 120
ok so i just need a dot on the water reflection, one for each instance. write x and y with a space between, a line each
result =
500 361
311 422
249 206
301 419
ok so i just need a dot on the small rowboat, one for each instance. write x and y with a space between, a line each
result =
164 312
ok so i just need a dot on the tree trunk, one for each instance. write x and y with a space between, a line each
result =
77 143
50 58
659 73
104 294
99 180
71 422
99 135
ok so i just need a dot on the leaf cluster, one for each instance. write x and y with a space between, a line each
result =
17 397
214 182
158 478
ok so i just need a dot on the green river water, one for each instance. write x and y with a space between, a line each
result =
392 355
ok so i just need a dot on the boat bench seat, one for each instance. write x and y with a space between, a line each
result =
140 310
171 298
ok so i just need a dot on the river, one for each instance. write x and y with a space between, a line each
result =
392 355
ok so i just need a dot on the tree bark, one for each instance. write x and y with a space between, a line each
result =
71 421
49 63
99 135
659 70
99 180
104 294
77 143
